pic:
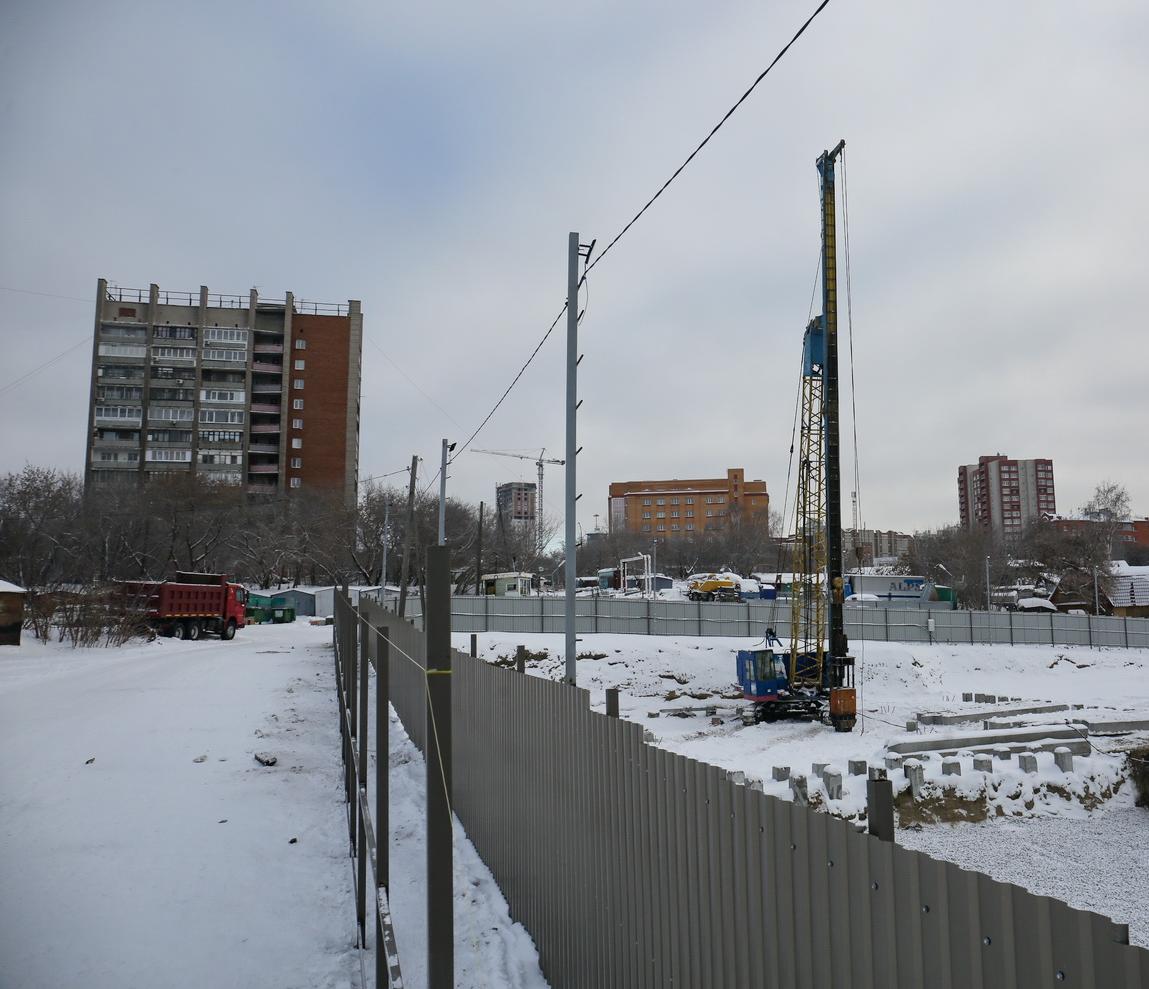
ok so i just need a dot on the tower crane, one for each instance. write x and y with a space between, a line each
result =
816 674
541 459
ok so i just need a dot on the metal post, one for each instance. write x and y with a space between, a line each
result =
612 702
382 764
440 887
571 493
479 553
443 497
880 808
386 538
474 646
520 659
1096 595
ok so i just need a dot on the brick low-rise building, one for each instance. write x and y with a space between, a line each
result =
236 389
679 508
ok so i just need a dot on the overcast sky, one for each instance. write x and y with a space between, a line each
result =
429 159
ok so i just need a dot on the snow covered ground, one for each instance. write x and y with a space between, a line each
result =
898 681
141 844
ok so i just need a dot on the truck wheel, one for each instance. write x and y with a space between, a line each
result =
193 630
178 631
228 630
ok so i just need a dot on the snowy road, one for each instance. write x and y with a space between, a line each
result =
126 862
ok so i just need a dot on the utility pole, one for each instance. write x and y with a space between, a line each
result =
386 537
1096 595
408 538
988 587
443 494
479 554
571 493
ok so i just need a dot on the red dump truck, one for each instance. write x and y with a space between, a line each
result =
190 605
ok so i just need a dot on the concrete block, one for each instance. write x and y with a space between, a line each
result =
1063 759
951 767
968 698
926 718
877 773
991 698
817 767
832 780
856 767
894 761
756 785
1028 762
981 698
916 774
780 773
737 777
648 737
911 726
983 763
1021 738
798 789
1003 754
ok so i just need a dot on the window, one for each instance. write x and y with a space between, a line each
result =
646 528
296 423
175 333
297 404
225 334
300 344
661 501
169 436
173 353
645 501
674 527
660 515
297 383
690 501
709 513
662 528
218 436
119 391
300 364
221 395
295 482
122 350
646 515
690 514
229 416
689 525
674 501
297 462
170 456
225 457
296 443
167 414
674 515
225 355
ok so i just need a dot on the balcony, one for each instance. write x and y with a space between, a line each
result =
265 408
271 388
265 368
266 427
266 448
263 468
266 348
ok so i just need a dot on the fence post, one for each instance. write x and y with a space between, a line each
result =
363 641
886 613
440 887
749 626
595 600
880 808
698 605
543 614
382 764
1052 631
486 613
1010 613
1089 625
474 646
648 616
520 659
971 626
612 702
1125 619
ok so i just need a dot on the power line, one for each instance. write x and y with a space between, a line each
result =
41 367
706 140
379 477
633 220
46 295
414 384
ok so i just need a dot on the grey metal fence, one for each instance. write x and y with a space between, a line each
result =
868 621
633 866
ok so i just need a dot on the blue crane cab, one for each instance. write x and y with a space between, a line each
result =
762 674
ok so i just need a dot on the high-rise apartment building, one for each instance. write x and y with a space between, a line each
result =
1003 495
237 389
686 508
515 502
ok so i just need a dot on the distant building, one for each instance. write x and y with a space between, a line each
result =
874 545
515 502
254 392
683 508
1128 533
1003 495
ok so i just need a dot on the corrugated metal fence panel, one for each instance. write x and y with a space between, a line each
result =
632 866
901 622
